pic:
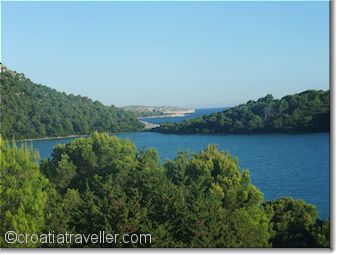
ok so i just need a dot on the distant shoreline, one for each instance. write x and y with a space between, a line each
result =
165 116
50 138
66 137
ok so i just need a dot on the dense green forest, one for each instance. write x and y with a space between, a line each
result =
29 110
102 183
308 111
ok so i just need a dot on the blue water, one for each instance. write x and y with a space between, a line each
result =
280 165
198 113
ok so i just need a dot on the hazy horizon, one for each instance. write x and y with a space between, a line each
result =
184 54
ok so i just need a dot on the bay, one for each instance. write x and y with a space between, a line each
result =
279 164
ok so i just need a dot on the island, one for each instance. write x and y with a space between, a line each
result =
157 111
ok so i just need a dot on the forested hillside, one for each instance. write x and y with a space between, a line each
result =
30 110
102 183
308 111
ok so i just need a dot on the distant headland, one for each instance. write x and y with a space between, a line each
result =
158 111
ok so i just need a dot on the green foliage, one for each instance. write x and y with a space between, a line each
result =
125 191
22 192
296 224
320 234
221 199
198 200
308 111
102 183
29 110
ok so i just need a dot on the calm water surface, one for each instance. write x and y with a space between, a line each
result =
280 165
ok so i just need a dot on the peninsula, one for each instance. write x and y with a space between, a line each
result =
308 111
30 110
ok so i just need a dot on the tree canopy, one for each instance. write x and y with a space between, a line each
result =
308 111
102 183
30 110
22 192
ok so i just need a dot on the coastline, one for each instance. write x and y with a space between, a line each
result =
66 137
176 115
50 138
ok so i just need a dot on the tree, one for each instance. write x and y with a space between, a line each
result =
23 196
221 199
296 224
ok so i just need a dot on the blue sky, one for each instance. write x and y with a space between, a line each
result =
191 54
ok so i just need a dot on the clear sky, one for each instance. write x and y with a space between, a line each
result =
191 54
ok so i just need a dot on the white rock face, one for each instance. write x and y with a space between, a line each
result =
158 111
